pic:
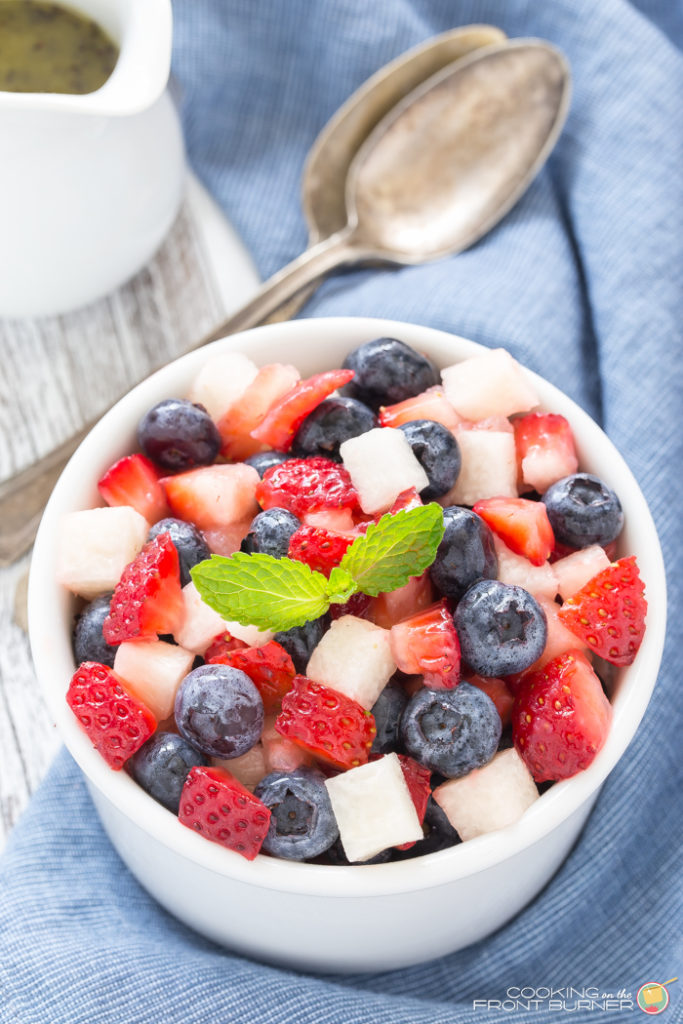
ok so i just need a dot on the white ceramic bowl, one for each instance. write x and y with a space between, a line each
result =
364 917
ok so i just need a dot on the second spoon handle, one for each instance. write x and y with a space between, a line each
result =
23 496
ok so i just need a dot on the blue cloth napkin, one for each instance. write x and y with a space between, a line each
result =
582 281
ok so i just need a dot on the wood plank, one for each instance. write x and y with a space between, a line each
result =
58 373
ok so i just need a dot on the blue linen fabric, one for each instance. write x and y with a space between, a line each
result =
582 282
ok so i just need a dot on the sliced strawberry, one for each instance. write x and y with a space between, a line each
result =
282 755
215 804
283 419
358 604
306 485
522 524
394 606
431 404
406 499
320 549
609 612
116 722
499 693
339 520
134 481
546 451
269 667
418 781
331 726
268 387
213 497
427 644
560 718
147 600
223 644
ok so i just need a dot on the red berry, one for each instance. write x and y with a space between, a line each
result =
521 524
116 722
418 781
147 599
358 604
329 725
499 692
545 449
560 717
306 485
134 480
427 644
269 667
407 499
431 404
608 613
269 385
281 422
220 646
219 807
319 548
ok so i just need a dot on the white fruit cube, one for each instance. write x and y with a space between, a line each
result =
575 570
96 545
353 657
381 464
539 580
489 384
248 769
373 808
488 798
221 381
200 624
154 670
488 468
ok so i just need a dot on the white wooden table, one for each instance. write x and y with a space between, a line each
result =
56 374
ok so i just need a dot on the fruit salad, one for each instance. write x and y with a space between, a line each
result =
350 619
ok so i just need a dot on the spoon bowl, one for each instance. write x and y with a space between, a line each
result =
454 156
323 184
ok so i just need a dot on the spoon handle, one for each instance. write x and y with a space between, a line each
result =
23 496
309 267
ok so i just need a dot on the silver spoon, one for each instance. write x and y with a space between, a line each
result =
433 176
323 183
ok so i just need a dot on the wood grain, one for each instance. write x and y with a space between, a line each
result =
55 375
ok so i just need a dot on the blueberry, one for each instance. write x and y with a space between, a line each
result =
270 532
583 510
302 822
466 553
387 711
264 460
388 371
188 542
299 641
501 627
439 834
88 641
438 453
330 424
178 435
451 731
219 710
161 766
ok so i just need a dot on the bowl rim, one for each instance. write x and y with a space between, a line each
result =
54 663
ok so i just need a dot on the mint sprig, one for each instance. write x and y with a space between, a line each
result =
279 593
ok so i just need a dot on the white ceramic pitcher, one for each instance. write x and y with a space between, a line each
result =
90 184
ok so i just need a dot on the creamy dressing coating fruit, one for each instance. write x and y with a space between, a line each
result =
353 618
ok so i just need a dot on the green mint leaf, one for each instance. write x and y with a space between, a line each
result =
341 586
259 590
394 549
